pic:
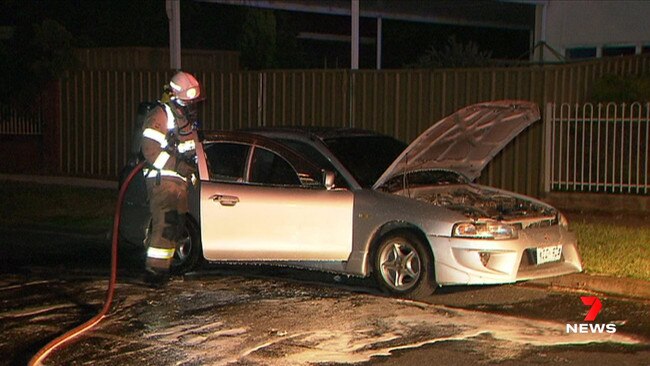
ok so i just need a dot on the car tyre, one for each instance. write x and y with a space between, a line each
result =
189 253
403 266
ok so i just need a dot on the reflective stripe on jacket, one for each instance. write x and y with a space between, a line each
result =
158 148
155 173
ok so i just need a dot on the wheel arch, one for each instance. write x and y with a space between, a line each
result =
395 227
193 221
196 257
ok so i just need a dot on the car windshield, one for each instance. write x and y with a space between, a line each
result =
436 177
365 157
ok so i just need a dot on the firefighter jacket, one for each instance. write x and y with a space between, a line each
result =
168 144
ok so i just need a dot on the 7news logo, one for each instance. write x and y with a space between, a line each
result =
585 328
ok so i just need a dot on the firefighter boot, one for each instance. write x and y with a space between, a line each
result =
156 272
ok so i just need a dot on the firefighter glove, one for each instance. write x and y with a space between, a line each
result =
185 169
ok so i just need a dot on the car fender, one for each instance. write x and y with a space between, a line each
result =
377 213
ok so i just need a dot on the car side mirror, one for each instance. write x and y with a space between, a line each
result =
328 179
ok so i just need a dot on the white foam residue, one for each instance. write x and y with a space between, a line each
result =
355 334
33 311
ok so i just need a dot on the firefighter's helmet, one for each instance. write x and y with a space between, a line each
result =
185 89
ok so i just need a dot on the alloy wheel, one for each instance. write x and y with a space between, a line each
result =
400 265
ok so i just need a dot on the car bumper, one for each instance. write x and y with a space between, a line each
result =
461 261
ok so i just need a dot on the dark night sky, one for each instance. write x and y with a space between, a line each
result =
213 26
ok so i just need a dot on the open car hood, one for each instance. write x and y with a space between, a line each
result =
465 141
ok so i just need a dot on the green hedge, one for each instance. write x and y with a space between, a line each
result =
621 89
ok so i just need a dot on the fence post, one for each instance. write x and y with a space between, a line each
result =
351 93
548 146
261 98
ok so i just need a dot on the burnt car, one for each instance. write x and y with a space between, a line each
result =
360 203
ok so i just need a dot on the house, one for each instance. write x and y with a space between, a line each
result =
574 30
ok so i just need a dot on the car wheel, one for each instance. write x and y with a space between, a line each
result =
403 266
188 254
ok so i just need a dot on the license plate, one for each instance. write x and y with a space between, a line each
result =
549 254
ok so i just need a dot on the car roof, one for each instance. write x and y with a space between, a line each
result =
247 137
320 132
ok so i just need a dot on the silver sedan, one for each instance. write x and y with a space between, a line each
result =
360 203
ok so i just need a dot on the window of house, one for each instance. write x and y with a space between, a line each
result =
618 50
578 53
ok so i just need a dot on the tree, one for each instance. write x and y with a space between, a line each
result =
37 54
258 46
289 53
453 54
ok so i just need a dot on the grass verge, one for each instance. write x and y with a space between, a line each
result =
84 210
613 248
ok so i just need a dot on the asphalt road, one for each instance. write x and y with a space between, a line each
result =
257 315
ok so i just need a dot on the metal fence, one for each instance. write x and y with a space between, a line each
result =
598 148
98 109
98 106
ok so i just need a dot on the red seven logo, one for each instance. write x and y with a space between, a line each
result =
595 307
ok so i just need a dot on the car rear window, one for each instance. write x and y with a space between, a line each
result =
313 155
269 168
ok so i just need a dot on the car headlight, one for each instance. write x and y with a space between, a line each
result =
485 230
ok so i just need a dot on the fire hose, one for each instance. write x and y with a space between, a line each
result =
70 335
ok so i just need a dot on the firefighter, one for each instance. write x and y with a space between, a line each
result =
168 146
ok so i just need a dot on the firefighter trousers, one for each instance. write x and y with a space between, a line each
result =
168 204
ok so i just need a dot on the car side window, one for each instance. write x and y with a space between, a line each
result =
270 168
226 161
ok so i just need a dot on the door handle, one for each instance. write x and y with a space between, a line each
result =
225 200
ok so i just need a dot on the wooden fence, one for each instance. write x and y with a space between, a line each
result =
97 107
13 122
